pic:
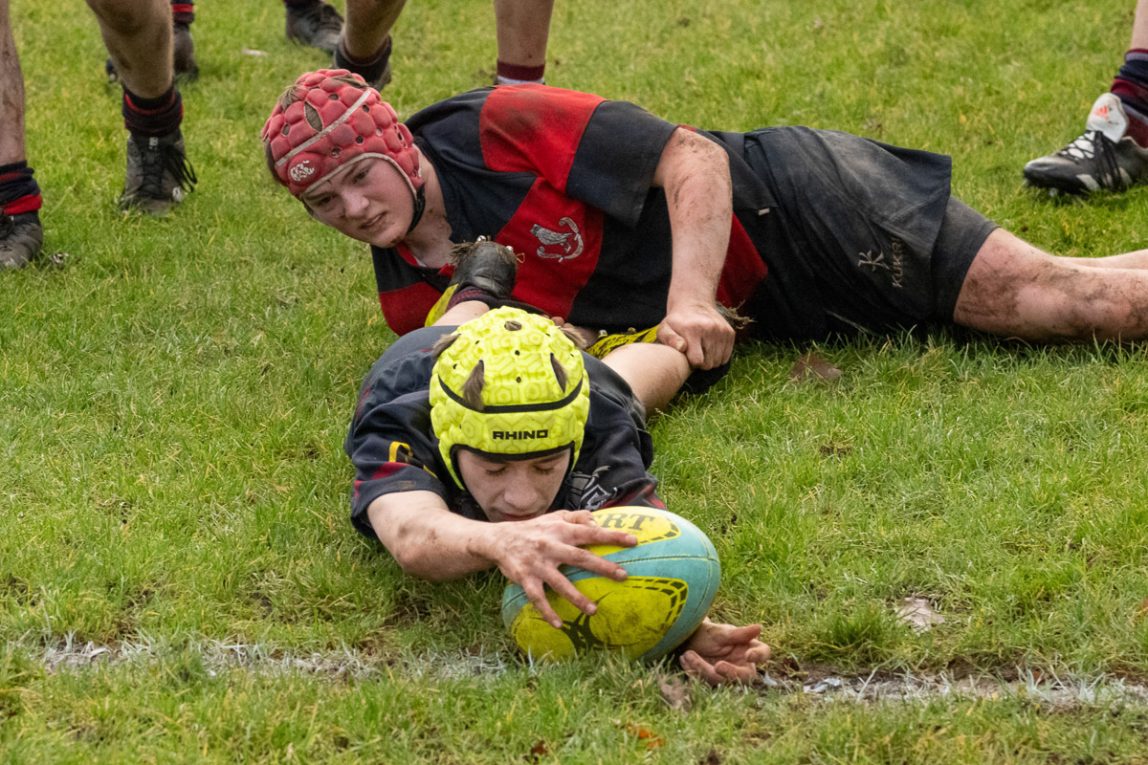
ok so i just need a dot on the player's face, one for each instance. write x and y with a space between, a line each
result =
367 200
513 490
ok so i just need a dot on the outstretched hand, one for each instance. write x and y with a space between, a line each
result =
723 654
700 332
530 552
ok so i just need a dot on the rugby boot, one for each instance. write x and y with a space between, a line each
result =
484 271
21 237
158 174
487 266
377 72
183 52
317 25
182 55
1103 157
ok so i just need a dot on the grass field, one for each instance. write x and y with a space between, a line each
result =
178 580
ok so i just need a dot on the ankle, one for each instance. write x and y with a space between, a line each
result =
515 74
153 117
371 68
19 192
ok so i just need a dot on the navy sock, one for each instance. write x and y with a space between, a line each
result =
153 116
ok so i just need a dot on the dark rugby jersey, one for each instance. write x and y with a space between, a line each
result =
564 178
393 447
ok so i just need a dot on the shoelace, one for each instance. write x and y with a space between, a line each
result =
1083 144
1097 146
162 159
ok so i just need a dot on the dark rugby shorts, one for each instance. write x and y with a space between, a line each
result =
864 237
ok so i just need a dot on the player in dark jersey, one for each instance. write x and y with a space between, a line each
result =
487 444
627 221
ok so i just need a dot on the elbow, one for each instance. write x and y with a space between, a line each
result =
419 564
702 147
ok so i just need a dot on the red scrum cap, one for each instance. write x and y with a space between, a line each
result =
331 117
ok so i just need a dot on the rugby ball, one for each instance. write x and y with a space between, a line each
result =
674 574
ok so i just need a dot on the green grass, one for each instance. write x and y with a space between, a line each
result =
178 581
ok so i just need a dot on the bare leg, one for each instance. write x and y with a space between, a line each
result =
1134 259
1016 290
654 371
523 29
367 25
137 34
461 313
11 94
1140 26
21 235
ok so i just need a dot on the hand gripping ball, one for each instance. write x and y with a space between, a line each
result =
674 574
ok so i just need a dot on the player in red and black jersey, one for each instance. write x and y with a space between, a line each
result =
626 221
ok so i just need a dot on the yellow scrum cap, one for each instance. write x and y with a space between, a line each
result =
510 383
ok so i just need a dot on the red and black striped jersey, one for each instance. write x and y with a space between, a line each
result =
565 179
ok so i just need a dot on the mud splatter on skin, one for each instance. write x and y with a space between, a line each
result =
1015 290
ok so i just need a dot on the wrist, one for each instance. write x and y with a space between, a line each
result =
479 545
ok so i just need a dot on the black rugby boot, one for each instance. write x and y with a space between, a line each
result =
158 174
21 237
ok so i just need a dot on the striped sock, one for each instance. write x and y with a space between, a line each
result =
19 192
1131 85
153 116
183 12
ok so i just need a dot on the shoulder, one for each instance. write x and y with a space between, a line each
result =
404 368
460 106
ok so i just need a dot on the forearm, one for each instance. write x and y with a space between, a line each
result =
426 539
430 542
694 172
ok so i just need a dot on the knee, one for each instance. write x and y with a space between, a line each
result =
125 17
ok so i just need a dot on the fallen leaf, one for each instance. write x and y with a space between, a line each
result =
651 739
811 366
538 751
918 613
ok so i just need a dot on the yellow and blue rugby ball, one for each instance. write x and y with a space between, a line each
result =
674 574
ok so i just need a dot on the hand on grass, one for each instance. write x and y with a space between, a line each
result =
723 654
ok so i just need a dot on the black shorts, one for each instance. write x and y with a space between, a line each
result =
864 237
